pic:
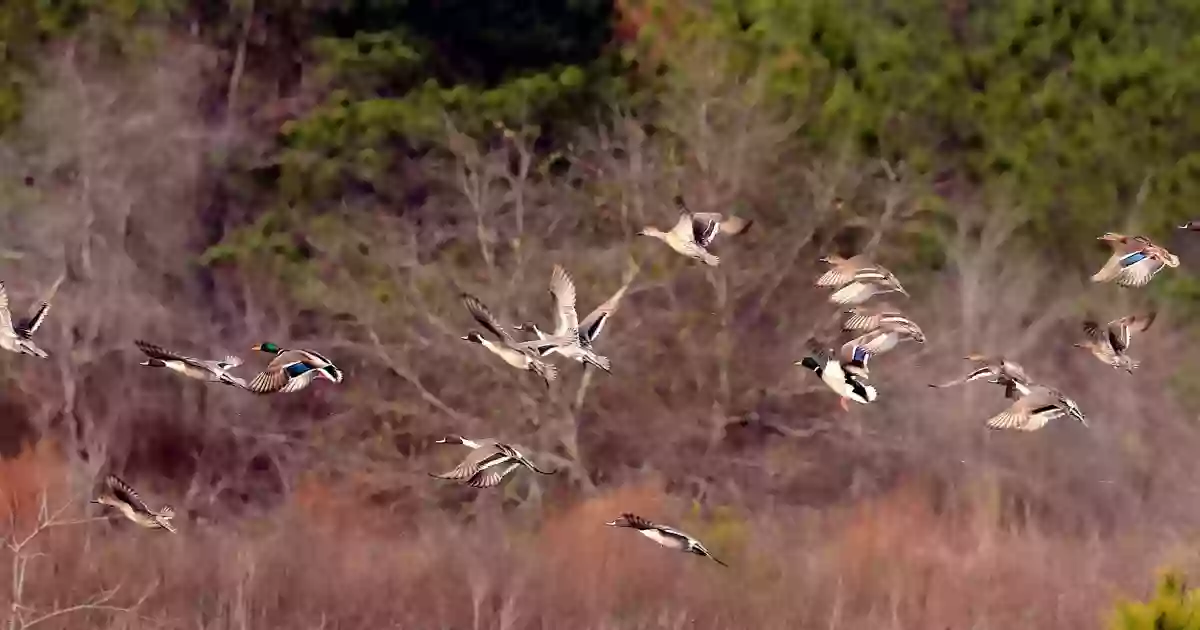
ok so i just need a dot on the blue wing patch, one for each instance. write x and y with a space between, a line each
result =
1135 257
860 354
296 369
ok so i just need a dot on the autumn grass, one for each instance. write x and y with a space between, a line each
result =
904 559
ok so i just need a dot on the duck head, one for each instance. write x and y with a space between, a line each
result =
268 347
627 520
473 337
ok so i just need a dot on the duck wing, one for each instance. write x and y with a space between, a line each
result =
6 326
593 324
486 456
485 318
841 270
29 325
492 477
162 354
125 493
566 321
1028 413
1120 330
1136 269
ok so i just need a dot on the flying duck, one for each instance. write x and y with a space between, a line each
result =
565 339
19 338
694 232
996 369
844 380
879 340
856 279
120 495
1034 409
668 537
591 326
487 464
507 348
211 371
871 317
291 370
1134 261
1110 343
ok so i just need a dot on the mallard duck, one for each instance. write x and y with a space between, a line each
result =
1110 342
857 279
695 231
996 369
880 340
506 347
565 339
211 371
488 464
668 537
1134 260
120 495
19 338
291 370
871 317
842 379
1034 409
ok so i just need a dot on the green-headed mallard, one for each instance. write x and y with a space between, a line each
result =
487 464
566 338
880 340
856 279
998 370
843 379
19 337
695 231
1034 409
1110 342
211 371
120 495
668 537
291 370
507 348
1134 260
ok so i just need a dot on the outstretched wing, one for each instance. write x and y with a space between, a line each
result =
593 324
29 325
5 317
705 226
491 478
485 317
1028 413
162 354
566 321
125 493
479 459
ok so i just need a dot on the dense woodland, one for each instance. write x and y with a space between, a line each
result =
333 174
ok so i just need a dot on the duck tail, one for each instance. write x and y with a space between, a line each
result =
601 362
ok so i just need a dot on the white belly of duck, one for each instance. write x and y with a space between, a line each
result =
835 378
663 539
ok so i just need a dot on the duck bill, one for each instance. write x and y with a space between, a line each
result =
611 523
257 347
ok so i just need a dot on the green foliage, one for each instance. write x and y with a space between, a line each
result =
26 24
1077 105
1174 607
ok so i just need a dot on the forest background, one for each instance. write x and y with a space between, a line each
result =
325 174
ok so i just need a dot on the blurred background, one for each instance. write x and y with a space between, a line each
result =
331 175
